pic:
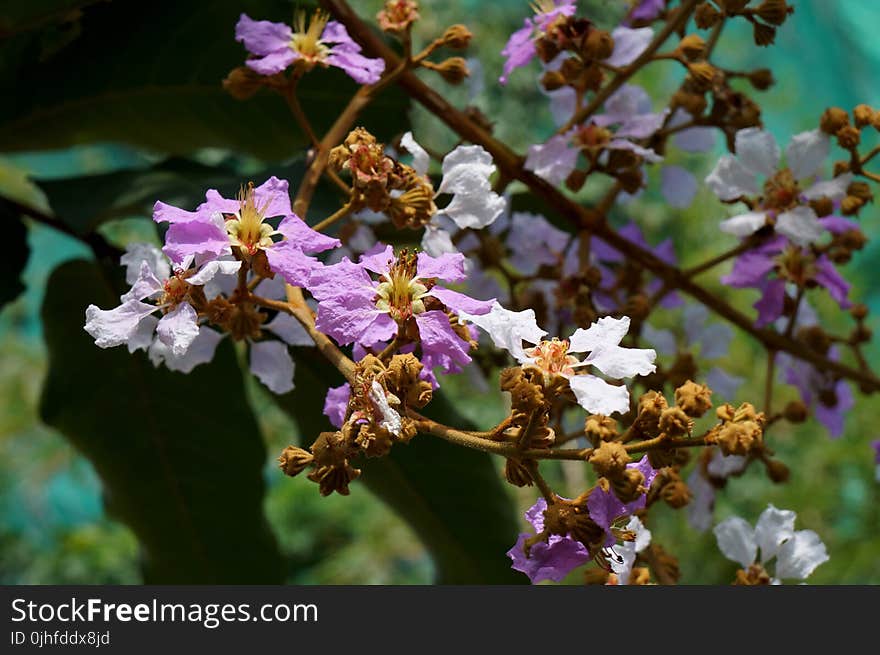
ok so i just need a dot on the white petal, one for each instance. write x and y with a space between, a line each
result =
744 224
146 285
597 396
508 329
606 332
466 172
437 241
421 158
390 418
622 561
806 152
475 209
114 327
142 338
730 179
136 253
289 329
800 225
774 526
618 362
553 160
643 535
178 328
799 556
757 150
215 267
834 189
201 351
272 365
736 539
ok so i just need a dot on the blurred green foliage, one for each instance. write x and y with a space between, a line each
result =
53 526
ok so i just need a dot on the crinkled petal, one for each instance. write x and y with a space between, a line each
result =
441 346
646 153
114 327
291 263
200 351
833 282
448 267
800 225
604 333
744 225
437 241
136 253
548 561
774 526
597 396
273 63
336 404
730 179
361 69
262 37
272 365
629 44
146 285
165 213
806 152
554 160
179 328
379 259
838 224
619 362
508 329
421 158
391 420
757 150
518 51
736 540
466 172
201 240
771 303
679 186
305 238
217 267
749 269
799 556
835 189
143 336
459 302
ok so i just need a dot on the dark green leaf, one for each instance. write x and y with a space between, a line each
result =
15 254
149 74
452 497
180 456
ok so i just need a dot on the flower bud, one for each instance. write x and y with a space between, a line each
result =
600 428
764 35
695 399
598 45
833 119
822 206
851 205
242 82
706 16
398 15
859 311
693 46
860 190
863 115
676 494
702 73
294 461
457 37
849 137
774 11
740 438
517 473
674 422
795 412
454 70
761 79
776 470
609 459
552 80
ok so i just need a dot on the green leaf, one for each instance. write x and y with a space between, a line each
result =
149 74
15 254
452 497
86 202
180 456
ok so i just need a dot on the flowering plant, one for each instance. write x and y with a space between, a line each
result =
396 270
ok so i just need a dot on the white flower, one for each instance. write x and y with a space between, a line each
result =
758 154
797 553
466 172
626 553
601 340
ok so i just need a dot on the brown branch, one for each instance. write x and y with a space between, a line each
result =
511 165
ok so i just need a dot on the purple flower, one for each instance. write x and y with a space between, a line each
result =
276 46
605 508
520 48
830 399
764 268
221 223
646 10
550 560
353 307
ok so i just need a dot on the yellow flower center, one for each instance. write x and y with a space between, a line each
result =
400 292
306 39
246 229
552 357
781 191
